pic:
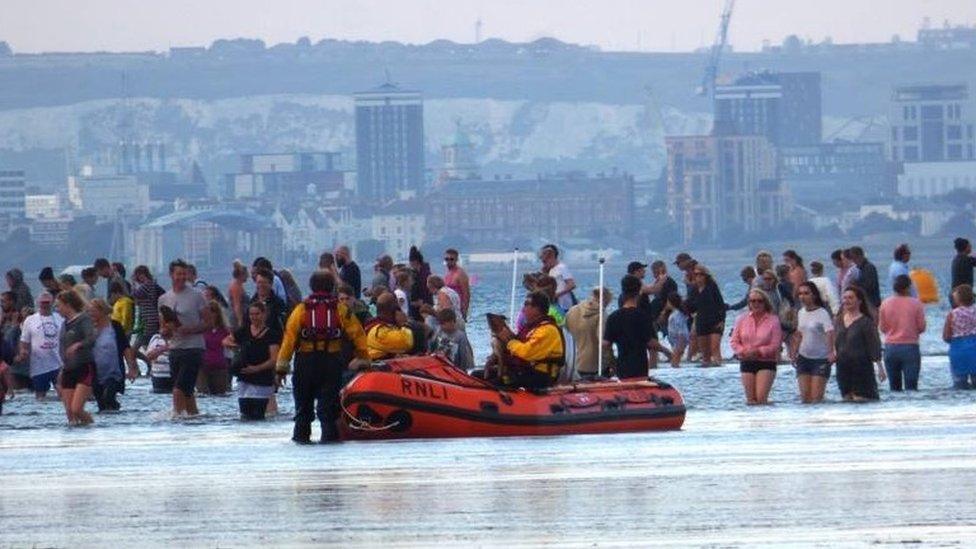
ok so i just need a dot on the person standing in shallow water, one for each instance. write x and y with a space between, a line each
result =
582 321
77 342
796 273
318 352
565 283
812 345
237 295
629 330
963 265
867 278
456 278
899 266
756 340
349 272
709 308
39 345
183 325
858 348
959 332
112 353
258 345
419 293
901 319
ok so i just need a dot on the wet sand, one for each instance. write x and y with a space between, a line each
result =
897 472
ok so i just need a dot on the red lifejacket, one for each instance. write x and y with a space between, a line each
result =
321 321
377 321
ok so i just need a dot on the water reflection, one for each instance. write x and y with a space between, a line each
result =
889 472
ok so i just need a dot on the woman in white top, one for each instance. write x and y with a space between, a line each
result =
444 298
157 355
812 346
565 284
402 290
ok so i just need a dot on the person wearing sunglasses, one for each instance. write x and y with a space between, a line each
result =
756 340
535 355
456 278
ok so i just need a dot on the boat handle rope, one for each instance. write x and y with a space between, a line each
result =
360 425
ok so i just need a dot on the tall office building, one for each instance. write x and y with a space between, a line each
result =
931 123
784 107
719 185
13 192
389 143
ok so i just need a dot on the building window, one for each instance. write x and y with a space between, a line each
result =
954 152
911 154
910 133
932 112
954 132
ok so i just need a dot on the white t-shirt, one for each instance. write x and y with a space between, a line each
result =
402 300
561 273
160 366
41 332
814 326
828 292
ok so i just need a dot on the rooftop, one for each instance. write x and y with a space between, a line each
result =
553 186
931 92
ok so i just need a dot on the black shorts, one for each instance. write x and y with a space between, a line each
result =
709 328
82 375
754 366
184 365
812 366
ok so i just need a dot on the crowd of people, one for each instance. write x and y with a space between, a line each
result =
85 336
793 314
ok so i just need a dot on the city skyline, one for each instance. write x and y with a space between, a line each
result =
624 25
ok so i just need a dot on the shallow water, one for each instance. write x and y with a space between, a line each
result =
898 471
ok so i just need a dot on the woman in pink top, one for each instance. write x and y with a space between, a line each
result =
901 318
756 340
214 377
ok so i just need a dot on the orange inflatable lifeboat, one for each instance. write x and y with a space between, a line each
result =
427 397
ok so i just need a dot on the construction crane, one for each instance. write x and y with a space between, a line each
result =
707 88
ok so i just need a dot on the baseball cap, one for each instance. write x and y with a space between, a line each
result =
634 266
682 257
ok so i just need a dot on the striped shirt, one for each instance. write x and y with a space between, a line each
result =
147 300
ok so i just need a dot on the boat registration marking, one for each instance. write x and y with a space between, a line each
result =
417 388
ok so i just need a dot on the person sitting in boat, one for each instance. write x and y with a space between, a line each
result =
451 342
534 357
391 333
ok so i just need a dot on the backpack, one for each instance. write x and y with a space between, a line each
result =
321 318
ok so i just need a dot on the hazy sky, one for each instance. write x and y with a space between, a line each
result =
660 25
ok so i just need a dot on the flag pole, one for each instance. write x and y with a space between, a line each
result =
599 354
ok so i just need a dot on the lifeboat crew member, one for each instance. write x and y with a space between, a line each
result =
389 334
314 333
534 356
